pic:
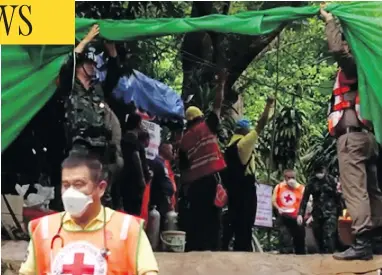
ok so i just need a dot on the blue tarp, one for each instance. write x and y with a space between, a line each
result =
148 94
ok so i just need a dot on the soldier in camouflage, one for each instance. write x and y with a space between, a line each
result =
91 125
325 212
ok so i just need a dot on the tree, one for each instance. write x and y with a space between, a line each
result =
204 52
305 73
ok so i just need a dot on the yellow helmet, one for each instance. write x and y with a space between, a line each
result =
193 112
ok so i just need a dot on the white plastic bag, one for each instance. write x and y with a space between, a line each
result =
40 199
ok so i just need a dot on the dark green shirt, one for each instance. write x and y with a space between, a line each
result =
326 199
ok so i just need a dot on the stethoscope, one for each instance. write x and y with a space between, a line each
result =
105 252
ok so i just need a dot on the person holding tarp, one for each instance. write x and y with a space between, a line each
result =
90 122
200 161
357 149
240 181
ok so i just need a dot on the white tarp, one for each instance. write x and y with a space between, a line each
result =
154 131
264 212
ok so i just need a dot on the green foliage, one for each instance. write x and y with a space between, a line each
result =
290 127
204 99
306 73
323 152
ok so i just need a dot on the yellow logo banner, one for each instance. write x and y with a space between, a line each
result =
37 22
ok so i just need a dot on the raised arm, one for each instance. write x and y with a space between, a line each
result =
247 144
67 70
265 115
338 47
113 70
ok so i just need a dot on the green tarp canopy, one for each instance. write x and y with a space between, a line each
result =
29 72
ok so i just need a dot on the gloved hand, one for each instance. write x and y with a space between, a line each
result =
300 220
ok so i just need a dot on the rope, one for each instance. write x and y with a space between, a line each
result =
207 63
270 163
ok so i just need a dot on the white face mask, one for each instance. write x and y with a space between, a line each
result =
75 202
292 182
320 175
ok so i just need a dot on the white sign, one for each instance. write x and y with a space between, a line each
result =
154 131
264 212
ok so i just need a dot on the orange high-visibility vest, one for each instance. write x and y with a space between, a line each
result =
289 198
81 251
338 103
203 152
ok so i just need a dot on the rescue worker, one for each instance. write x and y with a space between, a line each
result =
326 202
357 150
166 153
162 188
87 238
286 200
90 122
240 181
136 172
200 161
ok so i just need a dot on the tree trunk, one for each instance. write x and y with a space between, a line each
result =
202 52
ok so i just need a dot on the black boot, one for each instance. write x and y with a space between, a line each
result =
377 241
359 250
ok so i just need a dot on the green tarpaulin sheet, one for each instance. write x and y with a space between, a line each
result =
29 72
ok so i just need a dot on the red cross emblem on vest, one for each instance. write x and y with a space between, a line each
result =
78 267
288 198
79 258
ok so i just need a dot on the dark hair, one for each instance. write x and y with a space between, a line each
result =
320 168
82 58
163 143
143 136
133 121
79 158
289 171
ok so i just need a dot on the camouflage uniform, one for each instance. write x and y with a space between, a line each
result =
325 212
91 125
85 121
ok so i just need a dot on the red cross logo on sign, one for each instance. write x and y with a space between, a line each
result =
78 267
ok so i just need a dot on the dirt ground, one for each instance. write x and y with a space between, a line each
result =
229 263
225 263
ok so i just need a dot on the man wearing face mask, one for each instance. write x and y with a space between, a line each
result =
87 238
90 122
286 200
325 212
